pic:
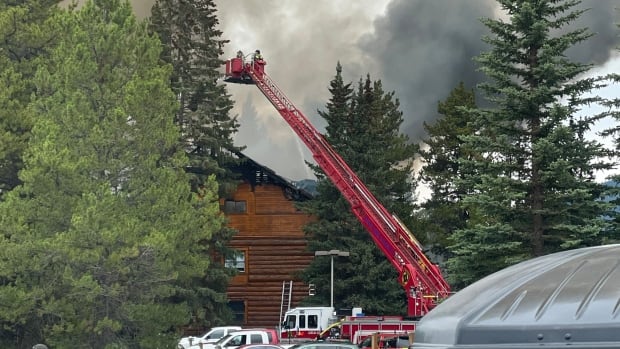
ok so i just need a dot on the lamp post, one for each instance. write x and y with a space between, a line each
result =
332 254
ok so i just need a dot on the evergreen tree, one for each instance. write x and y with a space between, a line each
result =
612 107
534 182
104 237
444 212
193 46
363 127
25 36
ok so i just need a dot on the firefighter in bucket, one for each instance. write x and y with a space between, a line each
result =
259 62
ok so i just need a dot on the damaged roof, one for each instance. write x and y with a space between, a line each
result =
258 174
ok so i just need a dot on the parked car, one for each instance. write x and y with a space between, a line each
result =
387 341
324 345
212 336
261 346
248 336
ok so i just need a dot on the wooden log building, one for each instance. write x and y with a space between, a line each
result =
271 245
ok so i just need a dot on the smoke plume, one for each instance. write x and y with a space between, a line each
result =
421 49
425 48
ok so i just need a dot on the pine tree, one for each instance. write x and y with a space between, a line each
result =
534 183
25 36
363 127
102 245
193 46
444 212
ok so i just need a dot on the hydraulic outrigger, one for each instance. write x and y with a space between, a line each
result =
421 279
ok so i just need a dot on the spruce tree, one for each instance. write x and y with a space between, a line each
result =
363 127
444 212
102 245
193 46
534 182
611 107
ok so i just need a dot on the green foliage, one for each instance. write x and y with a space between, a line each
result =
26 36
192 45
533 182
444 212
613 185
363 127
14 130
102 245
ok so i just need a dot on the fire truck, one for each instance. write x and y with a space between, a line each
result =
306 322
422 280
320 323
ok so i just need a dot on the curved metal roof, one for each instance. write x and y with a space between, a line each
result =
571 298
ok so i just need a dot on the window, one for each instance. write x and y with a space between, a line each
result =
216 334
302 321
313 321
236 341
236 262
232 206
256 338
238 310
291 322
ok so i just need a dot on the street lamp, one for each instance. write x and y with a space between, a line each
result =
332 254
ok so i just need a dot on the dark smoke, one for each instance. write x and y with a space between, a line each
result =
600 18
425 48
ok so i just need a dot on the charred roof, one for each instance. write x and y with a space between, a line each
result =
258 174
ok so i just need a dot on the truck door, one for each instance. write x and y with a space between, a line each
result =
236 341
290 324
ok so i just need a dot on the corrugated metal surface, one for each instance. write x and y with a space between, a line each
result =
567 299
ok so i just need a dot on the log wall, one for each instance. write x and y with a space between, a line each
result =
270 233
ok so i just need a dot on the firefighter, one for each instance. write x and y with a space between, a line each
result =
258 56
259 63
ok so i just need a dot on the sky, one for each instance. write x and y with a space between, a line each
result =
420 49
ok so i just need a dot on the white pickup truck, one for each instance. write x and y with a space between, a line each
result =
248 336
212 336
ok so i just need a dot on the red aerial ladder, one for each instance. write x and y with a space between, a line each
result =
421 279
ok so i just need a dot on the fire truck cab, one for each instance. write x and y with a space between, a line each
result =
306 322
